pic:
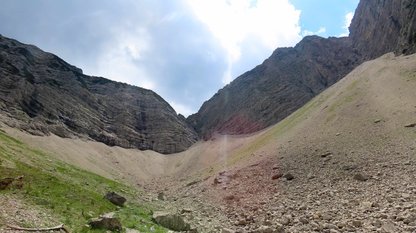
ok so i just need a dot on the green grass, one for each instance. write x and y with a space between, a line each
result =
73 195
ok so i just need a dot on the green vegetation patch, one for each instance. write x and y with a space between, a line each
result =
73 195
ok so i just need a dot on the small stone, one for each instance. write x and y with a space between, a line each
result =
186 210
377 223
316 226
285 220
128 230
226 230
161 196
388 227
329 226
229 197
303 220
357 223
410 219
241 222
279 228
411 125
288 176
263 229
277 176
366 204
377 120
324 155
360 177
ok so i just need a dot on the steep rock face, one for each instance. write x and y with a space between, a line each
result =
292 76
276 88
42 94
382 26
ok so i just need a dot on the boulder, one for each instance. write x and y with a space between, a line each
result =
106 222
170 221
5 182
115 198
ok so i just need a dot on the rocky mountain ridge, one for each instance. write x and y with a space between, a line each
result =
40 93
270 92
292 76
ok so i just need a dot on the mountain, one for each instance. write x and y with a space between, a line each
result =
271 91
42 94
382 26
292 76
350 151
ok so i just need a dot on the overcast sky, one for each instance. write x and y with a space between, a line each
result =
185 50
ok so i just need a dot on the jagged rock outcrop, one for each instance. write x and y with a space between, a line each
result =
293 76
382 26
42 94
284 82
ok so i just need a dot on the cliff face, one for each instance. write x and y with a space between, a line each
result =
292 76
42 94
276 88
382 26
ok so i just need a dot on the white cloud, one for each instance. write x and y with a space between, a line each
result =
347 22
272 23
119 58
320 32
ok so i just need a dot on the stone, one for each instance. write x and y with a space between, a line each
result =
5 182
324 155
410 219
277 176
388 227
411 125
240 108
128 230
357 223
106 222
303 220
161 196
377 223
49 95
115 198
264 229
226 230
285 220
288 176
360 177
279 228
170 221
230 197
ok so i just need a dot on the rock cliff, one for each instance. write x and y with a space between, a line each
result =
42 94
292 76
382 26
273 90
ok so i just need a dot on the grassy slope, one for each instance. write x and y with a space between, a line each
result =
73 195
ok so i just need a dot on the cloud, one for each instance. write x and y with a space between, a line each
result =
347 22
321 31
184 50
268 23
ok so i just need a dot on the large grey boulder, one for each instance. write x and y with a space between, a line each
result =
171 221
107 222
